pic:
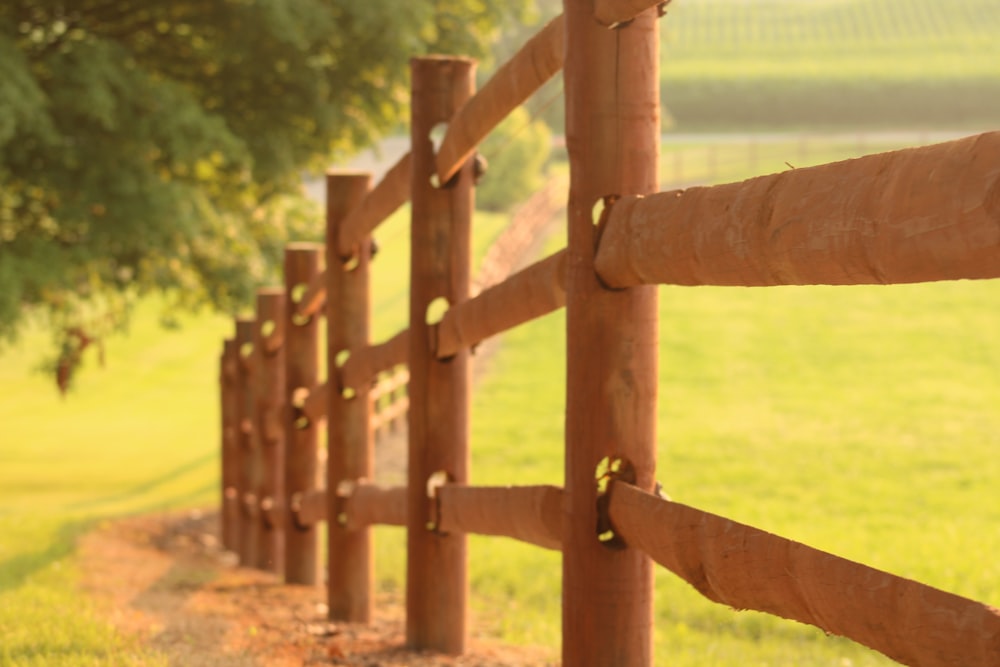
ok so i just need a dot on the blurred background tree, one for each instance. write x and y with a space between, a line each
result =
158 145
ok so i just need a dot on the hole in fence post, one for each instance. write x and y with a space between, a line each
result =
434 482
246 350
350 263
608 469
297 292
436 310
267 327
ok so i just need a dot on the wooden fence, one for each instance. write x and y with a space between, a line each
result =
923 214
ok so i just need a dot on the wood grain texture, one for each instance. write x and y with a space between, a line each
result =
747 568
303 264
350 455
612 134
914 215
436 579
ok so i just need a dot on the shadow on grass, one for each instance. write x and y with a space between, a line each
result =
15 570
147 486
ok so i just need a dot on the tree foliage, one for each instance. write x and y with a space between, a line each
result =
159 144
516 152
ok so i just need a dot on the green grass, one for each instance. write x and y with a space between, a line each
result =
858 420
139 435
854 63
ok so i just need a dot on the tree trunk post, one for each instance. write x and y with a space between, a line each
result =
612 134
249 460
350 453
436 579
270 407
302 265
229 411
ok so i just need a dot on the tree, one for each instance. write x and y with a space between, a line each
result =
516 153
159 144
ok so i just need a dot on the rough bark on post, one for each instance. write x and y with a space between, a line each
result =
436 581
229 412
249 454
302 265
349 449
270 406
612 134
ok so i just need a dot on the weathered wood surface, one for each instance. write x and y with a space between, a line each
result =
747 568
350 454
531 514
250 463
528 294
229 413
270 358
310 507
378 204
612 135
314 402
914 215
302 264
536 62
360 369
440 236
363 503
314 298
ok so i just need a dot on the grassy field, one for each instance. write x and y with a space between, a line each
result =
139 435
858 420
853 63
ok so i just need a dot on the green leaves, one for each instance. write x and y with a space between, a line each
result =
159 145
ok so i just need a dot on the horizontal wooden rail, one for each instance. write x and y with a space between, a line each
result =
312 301
310 507
363 503
526 295
531 514
390 384
747 568
390 413
364 364
536 62
388 195
914 215
617 12
312 402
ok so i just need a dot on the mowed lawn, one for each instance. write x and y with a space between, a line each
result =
863 421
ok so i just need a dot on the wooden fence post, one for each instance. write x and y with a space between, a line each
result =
436 580
612 133
269 345
302 265
249 464
229 514
350 449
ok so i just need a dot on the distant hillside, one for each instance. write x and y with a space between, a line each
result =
828 63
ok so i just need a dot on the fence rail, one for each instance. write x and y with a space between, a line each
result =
931 213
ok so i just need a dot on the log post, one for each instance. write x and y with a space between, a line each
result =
229 410
268 341
349 451
612 134
302 265
436 579
249 460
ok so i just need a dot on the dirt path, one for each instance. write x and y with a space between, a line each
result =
164 580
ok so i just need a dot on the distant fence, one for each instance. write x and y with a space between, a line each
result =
922 214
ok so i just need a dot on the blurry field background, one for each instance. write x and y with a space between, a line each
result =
861 420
